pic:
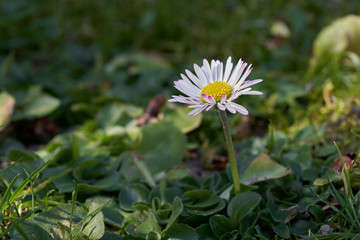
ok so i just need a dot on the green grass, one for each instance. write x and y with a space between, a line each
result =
77 166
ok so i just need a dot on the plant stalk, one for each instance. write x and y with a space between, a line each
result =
230 147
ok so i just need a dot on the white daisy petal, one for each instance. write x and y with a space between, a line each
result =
196 105
239 108
189 87
180 99
205 97
246 74
195 80
230 108
235 96
209 107
220 76
223 99
228 68
207 71
199 72
211 99
213 64
252 93
237 72
250 83
185 88
186 79
196 111
221 107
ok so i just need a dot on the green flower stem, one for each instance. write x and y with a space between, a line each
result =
230 147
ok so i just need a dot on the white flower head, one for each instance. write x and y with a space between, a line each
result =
212 86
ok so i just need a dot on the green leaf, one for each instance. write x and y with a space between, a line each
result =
132 193
199 199
177 208
262 169
317 212
282 230
64 184
280 213
331 176
113 216
90 223
153 236
31 230
36 104
95 227
181 232
59 214
111 236
209 210
149 225
301 228
241 205
21 155
197 194
343 34
221 225
205 233
162 146
7 103
180 119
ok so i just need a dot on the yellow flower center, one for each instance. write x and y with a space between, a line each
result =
216 90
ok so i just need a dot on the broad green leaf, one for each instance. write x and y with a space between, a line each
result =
149 225
177 208
241 205
199 199
7 103
343 34
63 232
162 146
317 212
331 176
205 233
32 230
153 236
301 228
131 237
60 214
180 119
15 155
113 216
132 193
282 230
94 227
262 169
181 232
111 236
90 223
221 225
36 104
220 205
64 184
109 115
112 212
197 194
280 213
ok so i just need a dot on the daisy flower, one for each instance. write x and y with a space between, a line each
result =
213 87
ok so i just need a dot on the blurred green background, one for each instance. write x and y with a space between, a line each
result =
80 55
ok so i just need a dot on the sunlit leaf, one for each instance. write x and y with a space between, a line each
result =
262 169
7 103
